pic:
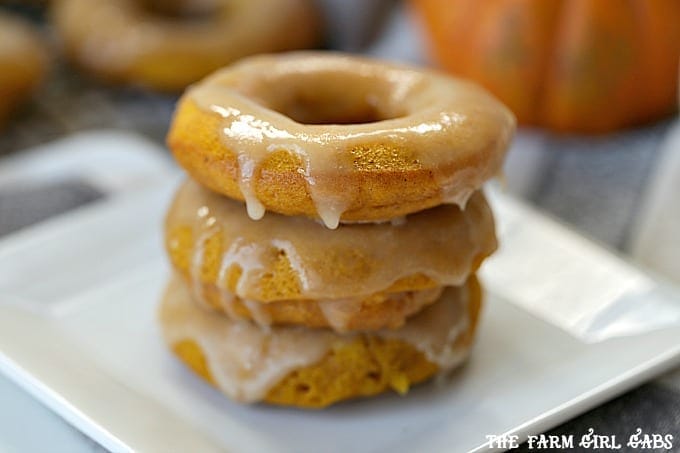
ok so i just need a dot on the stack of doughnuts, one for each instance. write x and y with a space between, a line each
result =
326 243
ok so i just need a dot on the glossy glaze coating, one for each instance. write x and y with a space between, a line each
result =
364 140
246 362
212 241
377 311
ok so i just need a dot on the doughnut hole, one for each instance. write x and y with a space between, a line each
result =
324 97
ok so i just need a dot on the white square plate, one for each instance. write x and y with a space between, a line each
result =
77 329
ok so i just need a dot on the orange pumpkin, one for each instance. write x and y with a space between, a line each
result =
570 65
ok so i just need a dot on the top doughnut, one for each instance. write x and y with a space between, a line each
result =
338 137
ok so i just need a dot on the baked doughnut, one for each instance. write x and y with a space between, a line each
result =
339 138
377 311
298 264
23 62
314 368
168 45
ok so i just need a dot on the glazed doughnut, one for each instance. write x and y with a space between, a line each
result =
339 138
377 311
314 368
23 62
168 45
298 264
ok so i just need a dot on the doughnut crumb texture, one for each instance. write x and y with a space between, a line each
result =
313 368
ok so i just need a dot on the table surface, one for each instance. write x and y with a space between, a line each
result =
598 185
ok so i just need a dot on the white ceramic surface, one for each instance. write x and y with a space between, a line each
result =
77 329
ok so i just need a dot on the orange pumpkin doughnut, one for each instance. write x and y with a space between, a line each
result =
339 138
23 63
223 255
383 310
314 368
168 45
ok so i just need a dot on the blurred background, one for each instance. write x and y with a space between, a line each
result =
594 85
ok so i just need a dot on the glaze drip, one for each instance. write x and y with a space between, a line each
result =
246 361
444 244
443 122
338 312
